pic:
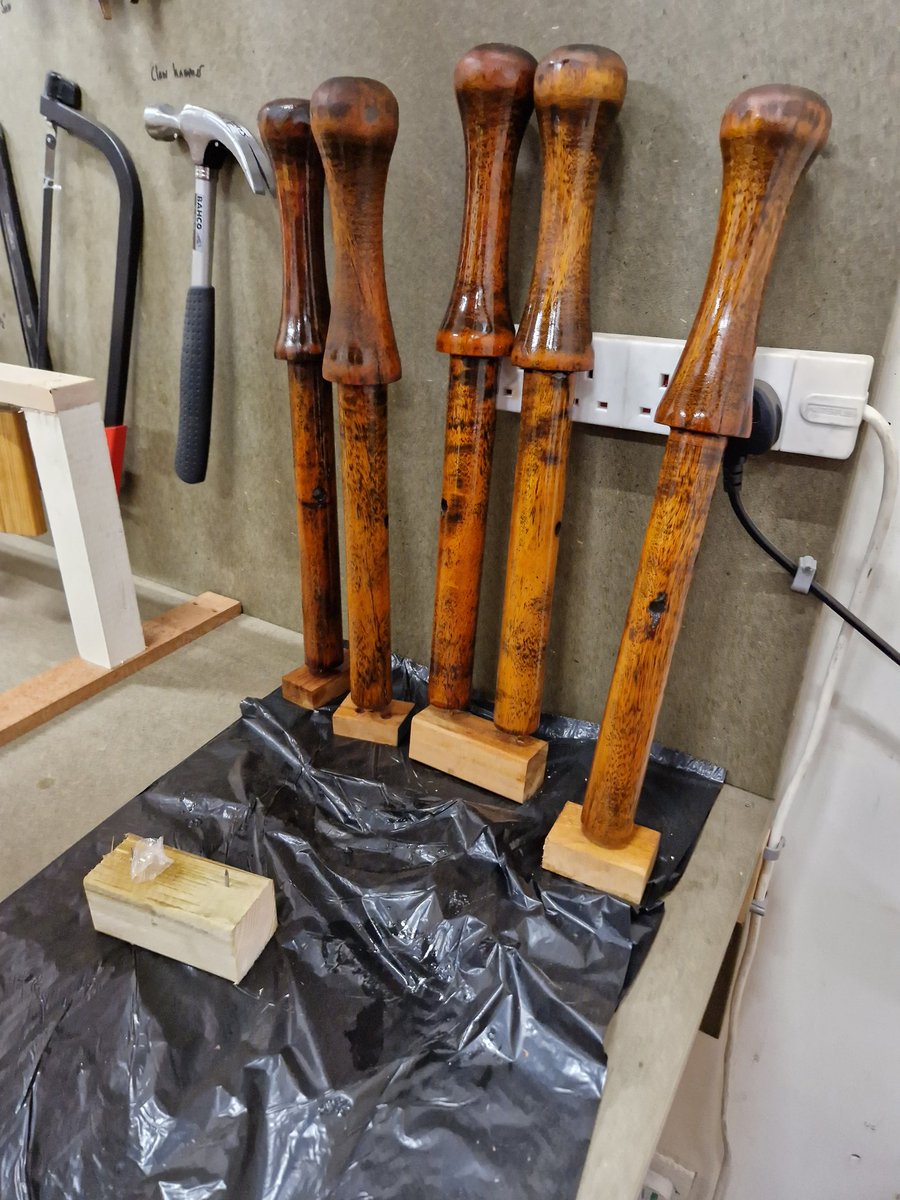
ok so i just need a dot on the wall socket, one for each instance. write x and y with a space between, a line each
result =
822 394
680 1177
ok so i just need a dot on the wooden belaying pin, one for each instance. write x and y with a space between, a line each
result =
769 136
354 122
284 127
493 86
578 91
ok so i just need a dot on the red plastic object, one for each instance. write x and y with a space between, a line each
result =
115 439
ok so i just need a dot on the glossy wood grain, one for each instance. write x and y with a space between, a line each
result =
285 129
362 415
315 486
578 91
468 448
355 122
494 92
493 89
284 126
769 136
534 531
687 480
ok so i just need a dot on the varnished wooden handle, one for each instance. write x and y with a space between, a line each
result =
538 496
578 91
769 136
687 479
354 122
362 414
315 486
300 188
468 450
284 126
493 90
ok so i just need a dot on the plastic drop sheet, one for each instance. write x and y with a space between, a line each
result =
428 1020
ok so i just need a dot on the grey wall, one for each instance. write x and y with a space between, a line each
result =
735 672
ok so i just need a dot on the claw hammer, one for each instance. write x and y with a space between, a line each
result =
211 138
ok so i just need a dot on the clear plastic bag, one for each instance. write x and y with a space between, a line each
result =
148 859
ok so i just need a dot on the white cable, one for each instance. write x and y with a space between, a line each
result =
886 505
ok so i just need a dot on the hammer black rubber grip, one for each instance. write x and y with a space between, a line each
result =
197 358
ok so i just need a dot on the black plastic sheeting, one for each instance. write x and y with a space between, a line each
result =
428 1020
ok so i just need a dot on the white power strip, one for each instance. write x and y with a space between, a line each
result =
822 394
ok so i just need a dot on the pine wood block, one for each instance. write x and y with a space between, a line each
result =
37 700
202 913
308 690
21 510
621 872
382 727
474 749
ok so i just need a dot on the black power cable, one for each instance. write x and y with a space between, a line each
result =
732 477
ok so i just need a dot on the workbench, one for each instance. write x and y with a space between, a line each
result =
61 780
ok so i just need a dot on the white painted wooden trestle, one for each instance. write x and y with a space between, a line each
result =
65 428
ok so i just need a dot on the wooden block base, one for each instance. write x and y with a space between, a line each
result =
197 911
474 749
382 727
621 872
308 690
35 701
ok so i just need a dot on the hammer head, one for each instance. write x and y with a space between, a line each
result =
210 137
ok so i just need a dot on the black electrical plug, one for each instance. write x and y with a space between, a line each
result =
765 431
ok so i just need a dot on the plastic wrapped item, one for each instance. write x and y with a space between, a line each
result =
428 1020
148 859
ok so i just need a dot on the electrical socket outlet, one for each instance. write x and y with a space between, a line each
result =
657 1187
680 1177
822 394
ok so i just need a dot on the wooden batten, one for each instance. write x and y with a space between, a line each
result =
307 690
621 872
39 699
206 914
473 749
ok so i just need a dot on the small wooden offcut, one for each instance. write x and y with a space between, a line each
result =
472 748
202 913
621 872
382 727
302 687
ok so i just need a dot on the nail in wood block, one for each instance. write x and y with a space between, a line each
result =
308 690
621 872
197 911
368 726
472 748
